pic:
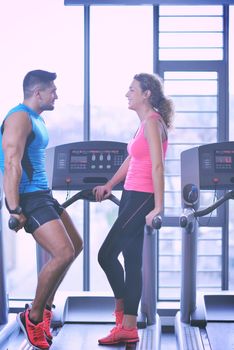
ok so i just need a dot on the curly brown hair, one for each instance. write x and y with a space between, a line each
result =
158 100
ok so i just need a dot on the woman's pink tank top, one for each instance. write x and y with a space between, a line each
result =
139 175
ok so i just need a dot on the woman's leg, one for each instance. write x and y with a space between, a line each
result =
133 279
126 236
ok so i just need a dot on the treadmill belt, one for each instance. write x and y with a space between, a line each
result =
81 337
221 335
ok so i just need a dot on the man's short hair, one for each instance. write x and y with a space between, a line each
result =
37 77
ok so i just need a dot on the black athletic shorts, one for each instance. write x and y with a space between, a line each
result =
39 207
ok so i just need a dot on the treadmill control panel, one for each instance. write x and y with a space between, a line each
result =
83 165
216 166
81 160
209 166
223 161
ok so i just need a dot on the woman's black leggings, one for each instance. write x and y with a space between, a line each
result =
126 236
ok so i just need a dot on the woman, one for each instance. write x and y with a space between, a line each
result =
142 199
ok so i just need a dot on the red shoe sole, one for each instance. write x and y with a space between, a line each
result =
134 340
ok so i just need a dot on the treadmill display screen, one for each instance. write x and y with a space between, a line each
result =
78 159
224 160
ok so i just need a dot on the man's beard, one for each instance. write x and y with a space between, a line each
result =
47 107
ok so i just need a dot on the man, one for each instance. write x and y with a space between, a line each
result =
23 140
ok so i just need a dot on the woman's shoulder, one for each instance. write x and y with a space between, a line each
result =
156 119
153 117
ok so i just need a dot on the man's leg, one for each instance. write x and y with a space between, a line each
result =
53 237
77 244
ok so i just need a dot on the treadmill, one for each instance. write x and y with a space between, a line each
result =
205 320
81 166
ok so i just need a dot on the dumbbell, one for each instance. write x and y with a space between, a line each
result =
13 223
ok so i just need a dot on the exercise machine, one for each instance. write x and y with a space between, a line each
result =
205 320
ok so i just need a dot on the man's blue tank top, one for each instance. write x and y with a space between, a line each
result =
34 176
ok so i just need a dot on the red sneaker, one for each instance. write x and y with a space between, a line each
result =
34 333
47 317
120 335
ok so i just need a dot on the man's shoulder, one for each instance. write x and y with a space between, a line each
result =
20 107
17 117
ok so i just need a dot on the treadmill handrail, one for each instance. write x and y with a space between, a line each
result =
220 201
87 195
189 213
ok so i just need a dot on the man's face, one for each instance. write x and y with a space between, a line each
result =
47 97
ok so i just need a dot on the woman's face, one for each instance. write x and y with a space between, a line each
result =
136 97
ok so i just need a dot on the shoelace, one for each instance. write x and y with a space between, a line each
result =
38 332
118 317
118 320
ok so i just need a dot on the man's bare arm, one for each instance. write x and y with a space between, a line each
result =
17 127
